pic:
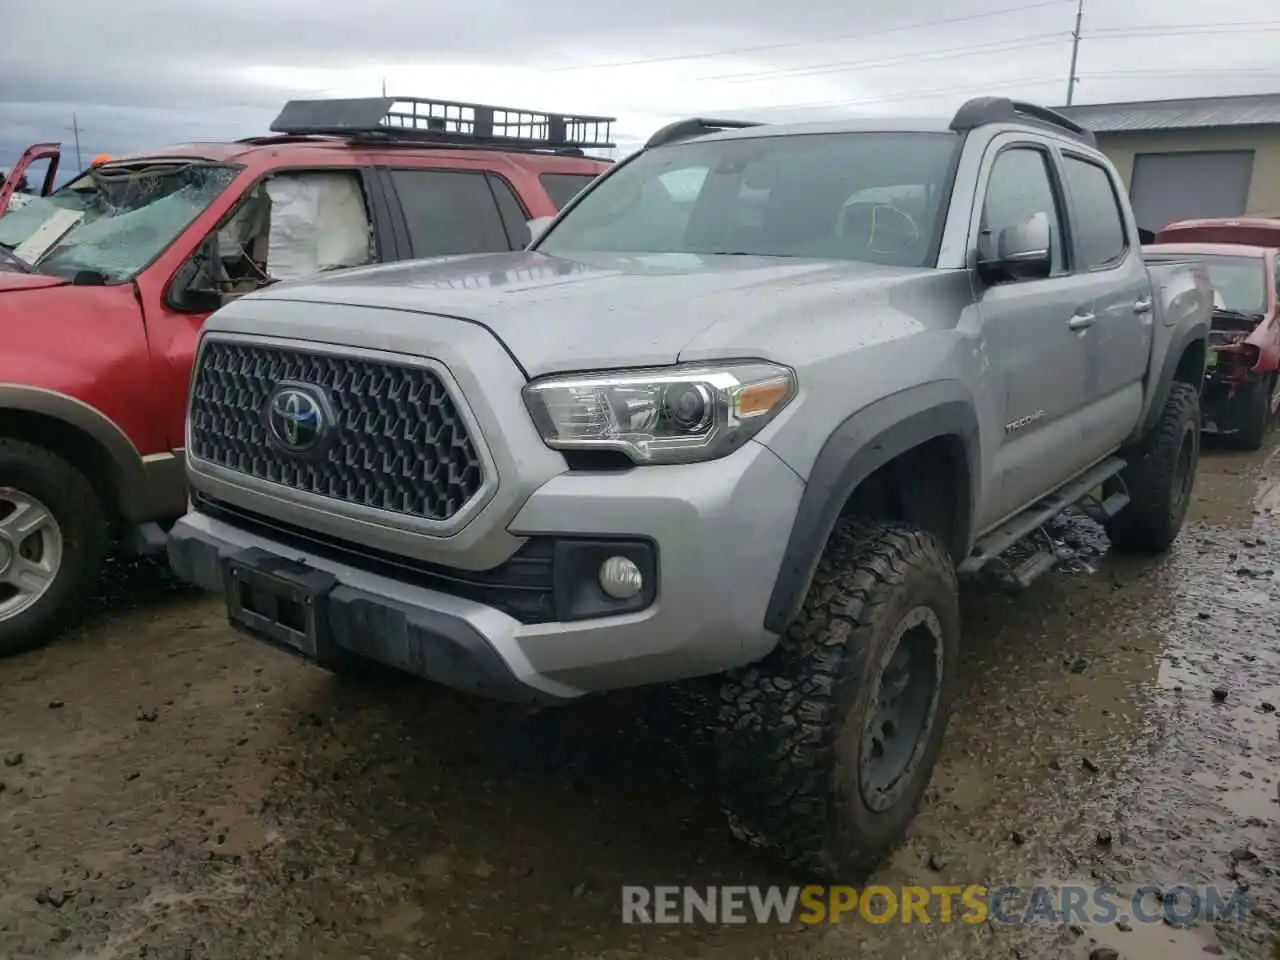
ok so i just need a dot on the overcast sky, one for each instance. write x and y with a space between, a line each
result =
140 73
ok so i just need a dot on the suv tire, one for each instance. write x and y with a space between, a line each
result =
859 687
1255 413
1160 476
33 478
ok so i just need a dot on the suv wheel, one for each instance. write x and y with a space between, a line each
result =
1160 477
1255 412
826 746
52 539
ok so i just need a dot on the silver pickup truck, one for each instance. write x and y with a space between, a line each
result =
748 407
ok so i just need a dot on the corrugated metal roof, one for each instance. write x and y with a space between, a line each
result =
1199 112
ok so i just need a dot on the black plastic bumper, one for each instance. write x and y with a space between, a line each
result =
428 643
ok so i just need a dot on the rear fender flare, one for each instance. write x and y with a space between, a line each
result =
858 447
1181 340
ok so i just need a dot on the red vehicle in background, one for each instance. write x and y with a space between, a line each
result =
1242 385
105 283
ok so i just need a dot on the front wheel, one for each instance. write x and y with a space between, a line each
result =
826 746
1160 475
53 536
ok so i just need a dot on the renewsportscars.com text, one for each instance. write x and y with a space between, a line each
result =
972 904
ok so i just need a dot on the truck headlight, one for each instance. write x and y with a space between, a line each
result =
675 414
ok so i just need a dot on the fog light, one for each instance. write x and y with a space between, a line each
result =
620 578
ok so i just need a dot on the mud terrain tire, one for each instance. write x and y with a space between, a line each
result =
795 728
62 489
1160 476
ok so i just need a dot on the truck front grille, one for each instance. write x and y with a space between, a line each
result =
399 443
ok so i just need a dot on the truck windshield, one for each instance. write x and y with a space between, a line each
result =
1239 283
875 197
128 217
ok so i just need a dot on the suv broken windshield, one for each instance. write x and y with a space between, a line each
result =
130 216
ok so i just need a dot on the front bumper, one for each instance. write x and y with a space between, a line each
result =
718 528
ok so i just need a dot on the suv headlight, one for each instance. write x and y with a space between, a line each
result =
675 414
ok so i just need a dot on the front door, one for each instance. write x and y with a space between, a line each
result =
33 154
1034 352
285 226
1123 306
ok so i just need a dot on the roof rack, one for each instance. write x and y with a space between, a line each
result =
695 127
983 110
444 122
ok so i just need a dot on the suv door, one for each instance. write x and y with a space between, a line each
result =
1037 362
451 212
1119 337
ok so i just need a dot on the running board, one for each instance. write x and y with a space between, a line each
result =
1038 514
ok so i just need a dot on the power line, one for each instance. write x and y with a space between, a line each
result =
804 43
1013 82
914 94
1181 28
1008 45
946 53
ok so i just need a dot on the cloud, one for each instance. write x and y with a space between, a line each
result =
152 72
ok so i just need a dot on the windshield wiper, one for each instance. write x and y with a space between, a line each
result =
8 256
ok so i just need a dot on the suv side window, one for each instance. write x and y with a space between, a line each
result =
1098 221
450 212
1019 187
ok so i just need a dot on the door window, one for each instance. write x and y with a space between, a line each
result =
450 212
1018 188
1098 222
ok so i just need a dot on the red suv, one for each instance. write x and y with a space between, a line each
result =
104 285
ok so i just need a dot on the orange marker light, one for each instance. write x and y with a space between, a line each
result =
760 398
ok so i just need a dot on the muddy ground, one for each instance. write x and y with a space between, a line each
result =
173 790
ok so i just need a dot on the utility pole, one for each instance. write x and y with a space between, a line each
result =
75 133
1072 80
384 87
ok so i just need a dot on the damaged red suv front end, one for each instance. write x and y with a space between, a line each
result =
1242 385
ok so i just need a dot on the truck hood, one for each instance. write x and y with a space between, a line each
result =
600 311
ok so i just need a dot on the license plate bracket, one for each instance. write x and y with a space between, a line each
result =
280 601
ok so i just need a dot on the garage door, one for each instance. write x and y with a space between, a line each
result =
1185 186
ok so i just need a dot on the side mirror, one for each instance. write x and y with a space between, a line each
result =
1024 251
538 226
195 286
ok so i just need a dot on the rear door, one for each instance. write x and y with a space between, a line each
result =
1120 300
455 211
1035 359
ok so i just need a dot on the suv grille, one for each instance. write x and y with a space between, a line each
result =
400 443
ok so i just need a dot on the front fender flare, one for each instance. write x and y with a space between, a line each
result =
94 424
858 447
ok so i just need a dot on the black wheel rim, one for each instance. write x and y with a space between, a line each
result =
901 716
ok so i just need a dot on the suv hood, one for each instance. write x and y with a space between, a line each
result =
600 311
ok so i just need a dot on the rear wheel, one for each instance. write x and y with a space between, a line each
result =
53 535
1160 475
1256 411
826 746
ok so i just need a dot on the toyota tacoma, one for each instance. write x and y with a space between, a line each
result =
747 408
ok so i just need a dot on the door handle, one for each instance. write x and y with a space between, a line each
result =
1081 321
1142 305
